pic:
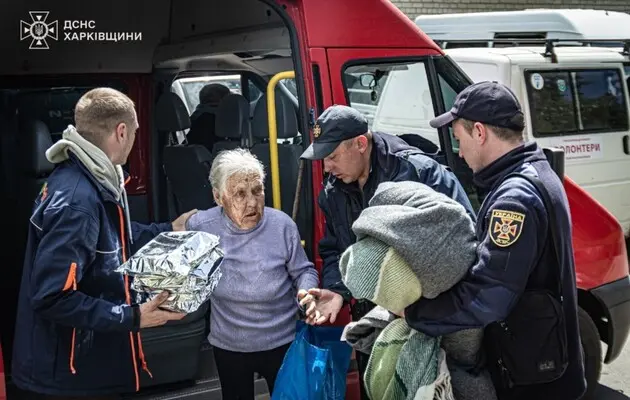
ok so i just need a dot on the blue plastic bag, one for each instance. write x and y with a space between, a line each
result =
315 365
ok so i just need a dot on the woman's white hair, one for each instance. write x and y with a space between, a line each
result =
231 162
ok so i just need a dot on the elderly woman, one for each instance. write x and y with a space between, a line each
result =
254 307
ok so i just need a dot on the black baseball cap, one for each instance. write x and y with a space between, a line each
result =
336 124
487 102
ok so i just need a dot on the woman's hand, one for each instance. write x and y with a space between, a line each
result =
309 304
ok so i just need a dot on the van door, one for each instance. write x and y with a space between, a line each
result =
584 111
626 68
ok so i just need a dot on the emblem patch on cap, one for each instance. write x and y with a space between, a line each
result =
316 130
505 227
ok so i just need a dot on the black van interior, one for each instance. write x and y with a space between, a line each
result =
248 41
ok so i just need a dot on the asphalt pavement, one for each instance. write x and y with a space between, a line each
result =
615 379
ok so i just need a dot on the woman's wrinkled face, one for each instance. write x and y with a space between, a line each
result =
244 199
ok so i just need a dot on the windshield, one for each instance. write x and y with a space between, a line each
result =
192 86
290 85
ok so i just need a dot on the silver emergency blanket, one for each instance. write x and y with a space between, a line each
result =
186 263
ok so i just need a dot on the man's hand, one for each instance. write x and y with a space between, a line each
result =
151 315
180 223
328 305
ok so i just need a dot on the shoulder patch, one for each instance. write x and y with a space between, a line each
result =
505 227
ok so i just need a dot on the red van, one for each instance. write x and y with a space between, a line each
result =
289 60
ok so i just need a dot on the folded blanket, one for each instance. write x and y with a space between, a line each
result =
430 231
412 241
404 364
362 334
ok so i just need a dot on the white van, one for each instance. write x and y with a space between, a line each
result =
499 28
579 103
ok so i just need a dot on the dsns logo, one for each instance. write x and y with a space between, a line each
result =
38 30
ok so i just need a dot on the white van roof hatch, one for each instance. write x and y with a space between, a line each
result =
561 24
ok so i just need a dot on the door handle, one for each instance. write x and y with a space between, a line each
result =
626 144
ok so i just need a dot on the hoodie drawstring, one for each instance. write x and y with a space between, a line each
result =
126 202
121 216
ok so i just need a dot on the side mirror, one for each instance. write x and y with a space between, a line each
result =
555 156
367 80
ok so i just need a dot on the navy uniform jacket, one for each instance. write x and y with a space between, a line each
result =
506 260
75 331
392 160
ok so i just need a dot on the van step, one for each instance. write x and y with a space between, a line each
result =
199 390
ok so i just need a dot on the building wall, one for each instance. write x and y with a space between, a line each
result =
413 8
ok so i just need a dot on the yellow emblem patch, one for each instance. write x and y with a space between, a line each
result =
316 130
505 227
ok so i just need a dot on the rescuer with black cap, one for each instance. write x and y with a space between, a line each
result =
356 161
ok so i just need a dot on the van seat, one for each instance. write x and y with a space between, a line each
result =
33 169
29 173
186 167
33 141
233 128
288 152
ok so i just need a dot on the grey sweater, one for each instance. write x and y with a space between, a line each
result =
254 305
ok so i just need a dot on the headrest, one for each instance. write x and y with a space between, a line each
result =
286 120
232 120
34 140
171 113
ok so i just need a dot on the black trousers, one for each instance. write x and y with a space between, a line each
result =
236 370
362 362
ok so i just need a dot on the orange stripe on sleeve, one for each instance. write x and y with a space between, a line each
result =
71 283
71 279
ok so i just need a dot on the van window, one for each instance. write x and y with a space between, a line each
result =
53 106
564 102
365 95
455 45
405 105
451 81
288 83
188 88
395 97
